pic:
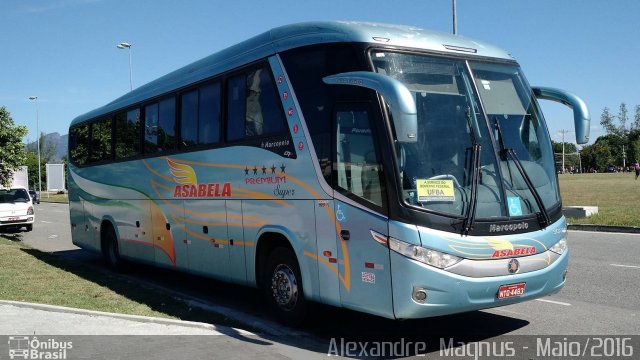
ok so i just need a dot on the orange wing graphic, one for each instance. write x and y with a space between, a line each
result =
182 174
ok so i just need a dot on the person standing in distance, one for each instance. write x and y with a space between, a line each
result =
636 166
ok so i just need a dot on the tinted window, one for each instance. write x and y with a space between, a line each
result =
167 125
189 119
209 114
101 140
236 107
201 116
127 134
358 169
151 128
254 106
79 144
306 68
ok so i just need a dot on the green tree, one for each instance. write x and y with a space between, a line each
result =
607 122
31 161
596 156
623 117
568 147
614 143
633 152
636 119
47 154
12 154
48 149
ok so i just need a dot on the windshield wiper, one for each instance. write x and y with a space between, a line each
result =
475 176
505 153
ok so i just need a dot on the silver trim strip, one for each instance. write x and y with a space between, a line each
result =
500 267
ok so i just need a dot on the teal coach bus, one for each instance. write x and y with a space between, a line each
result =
382 168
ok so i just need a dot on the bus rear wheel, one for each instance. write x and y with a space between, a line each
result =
111 251
283 287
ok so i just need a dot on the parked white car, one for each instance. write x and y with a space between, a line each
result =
16 209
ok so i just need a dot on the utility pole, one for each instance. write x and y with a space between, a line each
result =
624 159
563 132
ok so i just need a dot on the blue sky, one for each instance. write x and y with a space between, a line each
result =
64 51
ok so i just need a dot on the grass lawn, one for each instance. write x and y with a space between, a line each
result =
30 275
616 195
55 198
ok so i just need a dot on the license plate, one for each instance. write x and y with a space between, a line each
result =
14 218
509 291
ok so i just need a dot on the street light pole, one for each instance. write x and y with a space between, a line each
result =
455 18
124 45
35 98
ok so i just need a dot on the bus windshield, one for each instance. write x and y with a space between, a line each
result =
461 104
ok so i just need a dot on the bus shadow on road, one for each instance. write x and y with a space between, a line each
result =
326 327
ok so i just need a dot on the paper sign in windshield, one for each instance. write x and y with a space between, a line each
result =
435 190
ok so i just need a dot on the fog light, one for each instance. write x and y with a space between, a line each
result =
419 295
30 219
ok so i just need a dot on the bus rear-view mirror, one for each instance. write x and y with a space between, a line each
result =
401 103
581 117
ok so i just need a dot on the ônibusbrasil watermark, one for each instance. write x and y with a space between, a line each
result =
32 348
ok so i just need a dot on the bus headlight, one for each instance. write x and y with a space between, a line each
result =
559 247
428 256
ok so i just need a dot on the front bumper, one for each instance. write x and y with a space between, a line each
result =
449 293
17 220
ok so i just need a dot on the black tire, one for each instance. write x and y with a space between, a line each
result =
29 227
111 251
283 287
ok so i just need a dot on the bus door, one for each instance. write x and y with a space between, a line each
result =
327 251
79 229
207 237
361 229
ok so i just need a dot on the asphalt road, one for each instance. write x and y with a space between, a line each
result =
601 296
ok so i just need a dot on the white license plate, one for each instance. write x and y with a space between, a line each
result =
512 290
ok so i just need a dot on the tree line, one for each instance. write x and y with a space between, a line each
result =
13 153
621 144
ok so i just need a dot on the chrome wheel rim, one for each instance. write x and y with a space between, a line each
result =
284 287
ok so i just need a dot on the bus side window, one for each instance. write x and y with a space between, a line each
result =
127 134
201 116
254 109
167 124
151 128
101 131
79 144
358 168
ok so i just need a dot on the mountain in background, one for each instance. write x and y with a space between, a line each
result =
60 142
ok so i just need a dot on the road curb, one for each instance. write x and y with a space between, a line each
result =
255 323
605 228
138 318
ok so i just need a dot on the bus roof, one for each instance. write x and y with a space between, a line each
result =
296 35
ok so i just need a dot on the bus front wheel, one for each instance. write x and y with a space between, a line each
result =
283 286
